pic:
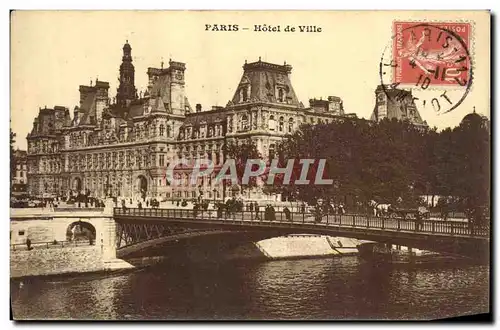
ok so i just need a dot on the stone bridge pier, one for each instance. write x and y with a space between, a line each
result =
63 241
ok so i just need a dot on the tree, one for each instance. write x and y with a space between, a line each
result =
468 156
241 152
365 160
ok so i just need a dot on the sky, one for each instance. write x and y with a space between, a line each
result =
53 52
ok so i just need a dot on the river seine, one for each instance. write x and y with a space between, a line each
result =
341 288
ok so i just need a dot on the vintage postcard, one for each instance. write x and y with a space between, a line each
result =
250 165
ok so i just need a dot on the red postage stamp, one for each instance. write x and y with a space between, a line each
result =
431 54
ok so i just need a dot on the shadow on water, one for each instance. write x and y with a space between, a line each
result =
338 288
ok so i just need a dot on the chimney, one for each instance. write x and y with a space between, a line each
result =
75 114
198 107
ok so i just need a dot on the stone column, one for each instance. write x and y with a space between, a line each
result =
234 122
259 118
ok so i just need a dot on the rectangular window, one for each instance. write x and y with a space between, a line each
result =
162 160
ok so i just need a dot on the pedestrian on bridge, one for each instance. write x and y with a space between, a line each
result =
266 212
272 213
418 220
195 209
257 211
287 213
220 208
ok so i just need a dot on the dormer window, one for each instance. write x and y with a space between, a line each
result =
281 95
245 94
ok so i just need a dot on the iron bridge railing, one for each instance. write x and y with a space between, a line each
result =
361 221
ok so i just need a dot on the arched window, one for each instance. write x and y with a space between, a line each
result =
272 151
244 122
290 125
281 124
272 123
162 129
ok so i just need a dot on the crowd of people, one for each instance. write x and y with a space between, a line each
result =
140 204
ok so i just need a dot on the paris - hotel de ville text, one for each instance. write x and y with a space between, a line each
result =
122 145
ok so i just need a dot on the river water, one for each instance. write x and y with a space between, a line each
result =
339 288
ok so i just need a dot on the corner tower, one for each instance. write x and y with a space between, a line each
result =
395 103
126 91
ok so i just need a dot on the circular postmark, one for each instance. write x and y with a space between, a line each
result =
428 64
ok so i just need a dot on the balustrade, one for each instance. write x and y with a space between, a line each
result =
447 227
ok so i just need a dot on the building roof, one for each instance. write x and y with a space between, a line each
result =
20 154
473 116
263 79
207 117
400 105
87 109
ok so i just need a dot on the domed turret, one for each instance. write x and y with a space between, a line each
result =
474 118
126 48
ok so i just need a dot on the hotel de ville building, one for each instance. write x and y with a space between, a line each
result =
122 145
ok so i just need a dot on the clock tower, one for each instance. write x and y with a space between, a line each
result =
126 91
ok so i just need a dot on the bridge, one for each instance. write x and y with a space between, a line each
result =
139 229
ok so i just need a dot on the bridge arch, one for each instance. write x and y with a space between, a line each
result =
130 248
80 231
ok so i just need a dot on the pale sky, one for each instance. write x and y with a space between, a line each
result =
52 53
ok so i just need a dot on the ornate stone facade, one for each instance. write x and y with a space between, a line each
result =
123 146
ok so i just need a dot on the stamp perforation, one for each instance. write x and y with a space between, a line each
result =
471 49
